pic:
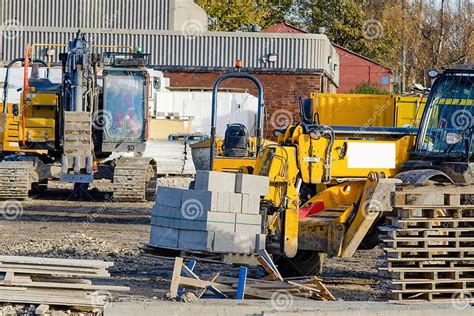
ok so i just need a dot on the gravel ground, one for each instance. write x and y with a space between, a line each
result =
53 226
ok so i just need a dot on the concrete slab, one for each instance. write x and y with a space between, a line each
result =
195 240
194 202
164 237
243 243
250 204
223 201
289 307
215 221
223 242
214 181
248 224
206 200
260 241
170 197
251 184
236 202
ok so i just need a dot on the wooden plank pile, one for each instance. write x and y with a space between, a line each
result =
310 288
36 280
430 244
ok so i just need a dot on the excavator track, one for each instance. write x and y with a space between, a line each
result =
429 243
15 179
134 179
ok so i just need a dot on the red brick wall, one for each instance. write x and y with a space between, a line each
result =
281 91
354 70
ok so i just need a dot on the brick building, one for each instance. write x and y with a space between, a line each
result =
356 69
289 66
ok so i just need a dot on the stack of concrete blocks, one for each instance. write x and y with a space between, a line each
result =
221 214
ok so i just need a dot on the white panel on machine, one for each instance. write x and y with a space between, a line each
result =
371 155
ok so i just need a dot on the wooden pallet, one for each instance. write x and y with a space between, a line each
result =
430 248
34 280
243 287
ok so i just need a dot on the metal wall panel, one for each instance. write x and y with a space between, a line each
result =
94 14
144 23
305 52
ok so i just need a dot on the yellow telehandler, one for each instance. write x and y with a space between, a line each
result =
331 187
361 168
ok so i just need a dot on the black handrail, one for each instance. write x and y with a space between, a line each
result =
215 89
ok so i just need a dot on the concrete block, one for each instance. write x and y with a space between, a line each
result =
235 202
202 201
250 204
195 240
160 216
187 224
159 221
170 197
174 217
260 242
164 237
216 221
223 201
248 223
223 242
196 202
251 184
243 243
214 181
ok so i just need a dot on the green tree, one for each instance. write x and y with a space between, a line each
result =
244 15
348 23
369 88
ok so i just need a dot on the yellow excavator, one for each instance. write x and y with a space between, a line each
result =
68 130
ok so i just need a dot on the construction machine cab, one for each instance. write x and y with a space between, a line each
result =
236 141
445 137
123 114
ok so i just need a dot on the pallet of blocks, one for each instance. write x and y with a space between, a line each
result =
220 215
429 243
37 280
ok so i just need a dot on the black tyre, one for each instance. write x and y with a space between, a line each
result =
305 263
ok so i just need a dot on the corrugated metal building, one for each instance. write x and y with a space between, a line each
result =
174 32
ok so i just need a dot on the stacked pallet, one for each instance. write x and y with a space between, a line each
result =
35 280
430 244
221 215
173 157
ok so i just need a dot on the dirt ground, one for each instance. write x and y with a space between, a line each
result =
54 225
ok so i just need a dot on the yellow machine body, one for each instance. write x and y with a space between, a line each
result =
228 164
10 132
338 185
40 118
367 109
344 110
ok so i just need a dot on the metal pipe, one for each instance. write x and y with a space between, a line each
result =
215 90
7 79
367 130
